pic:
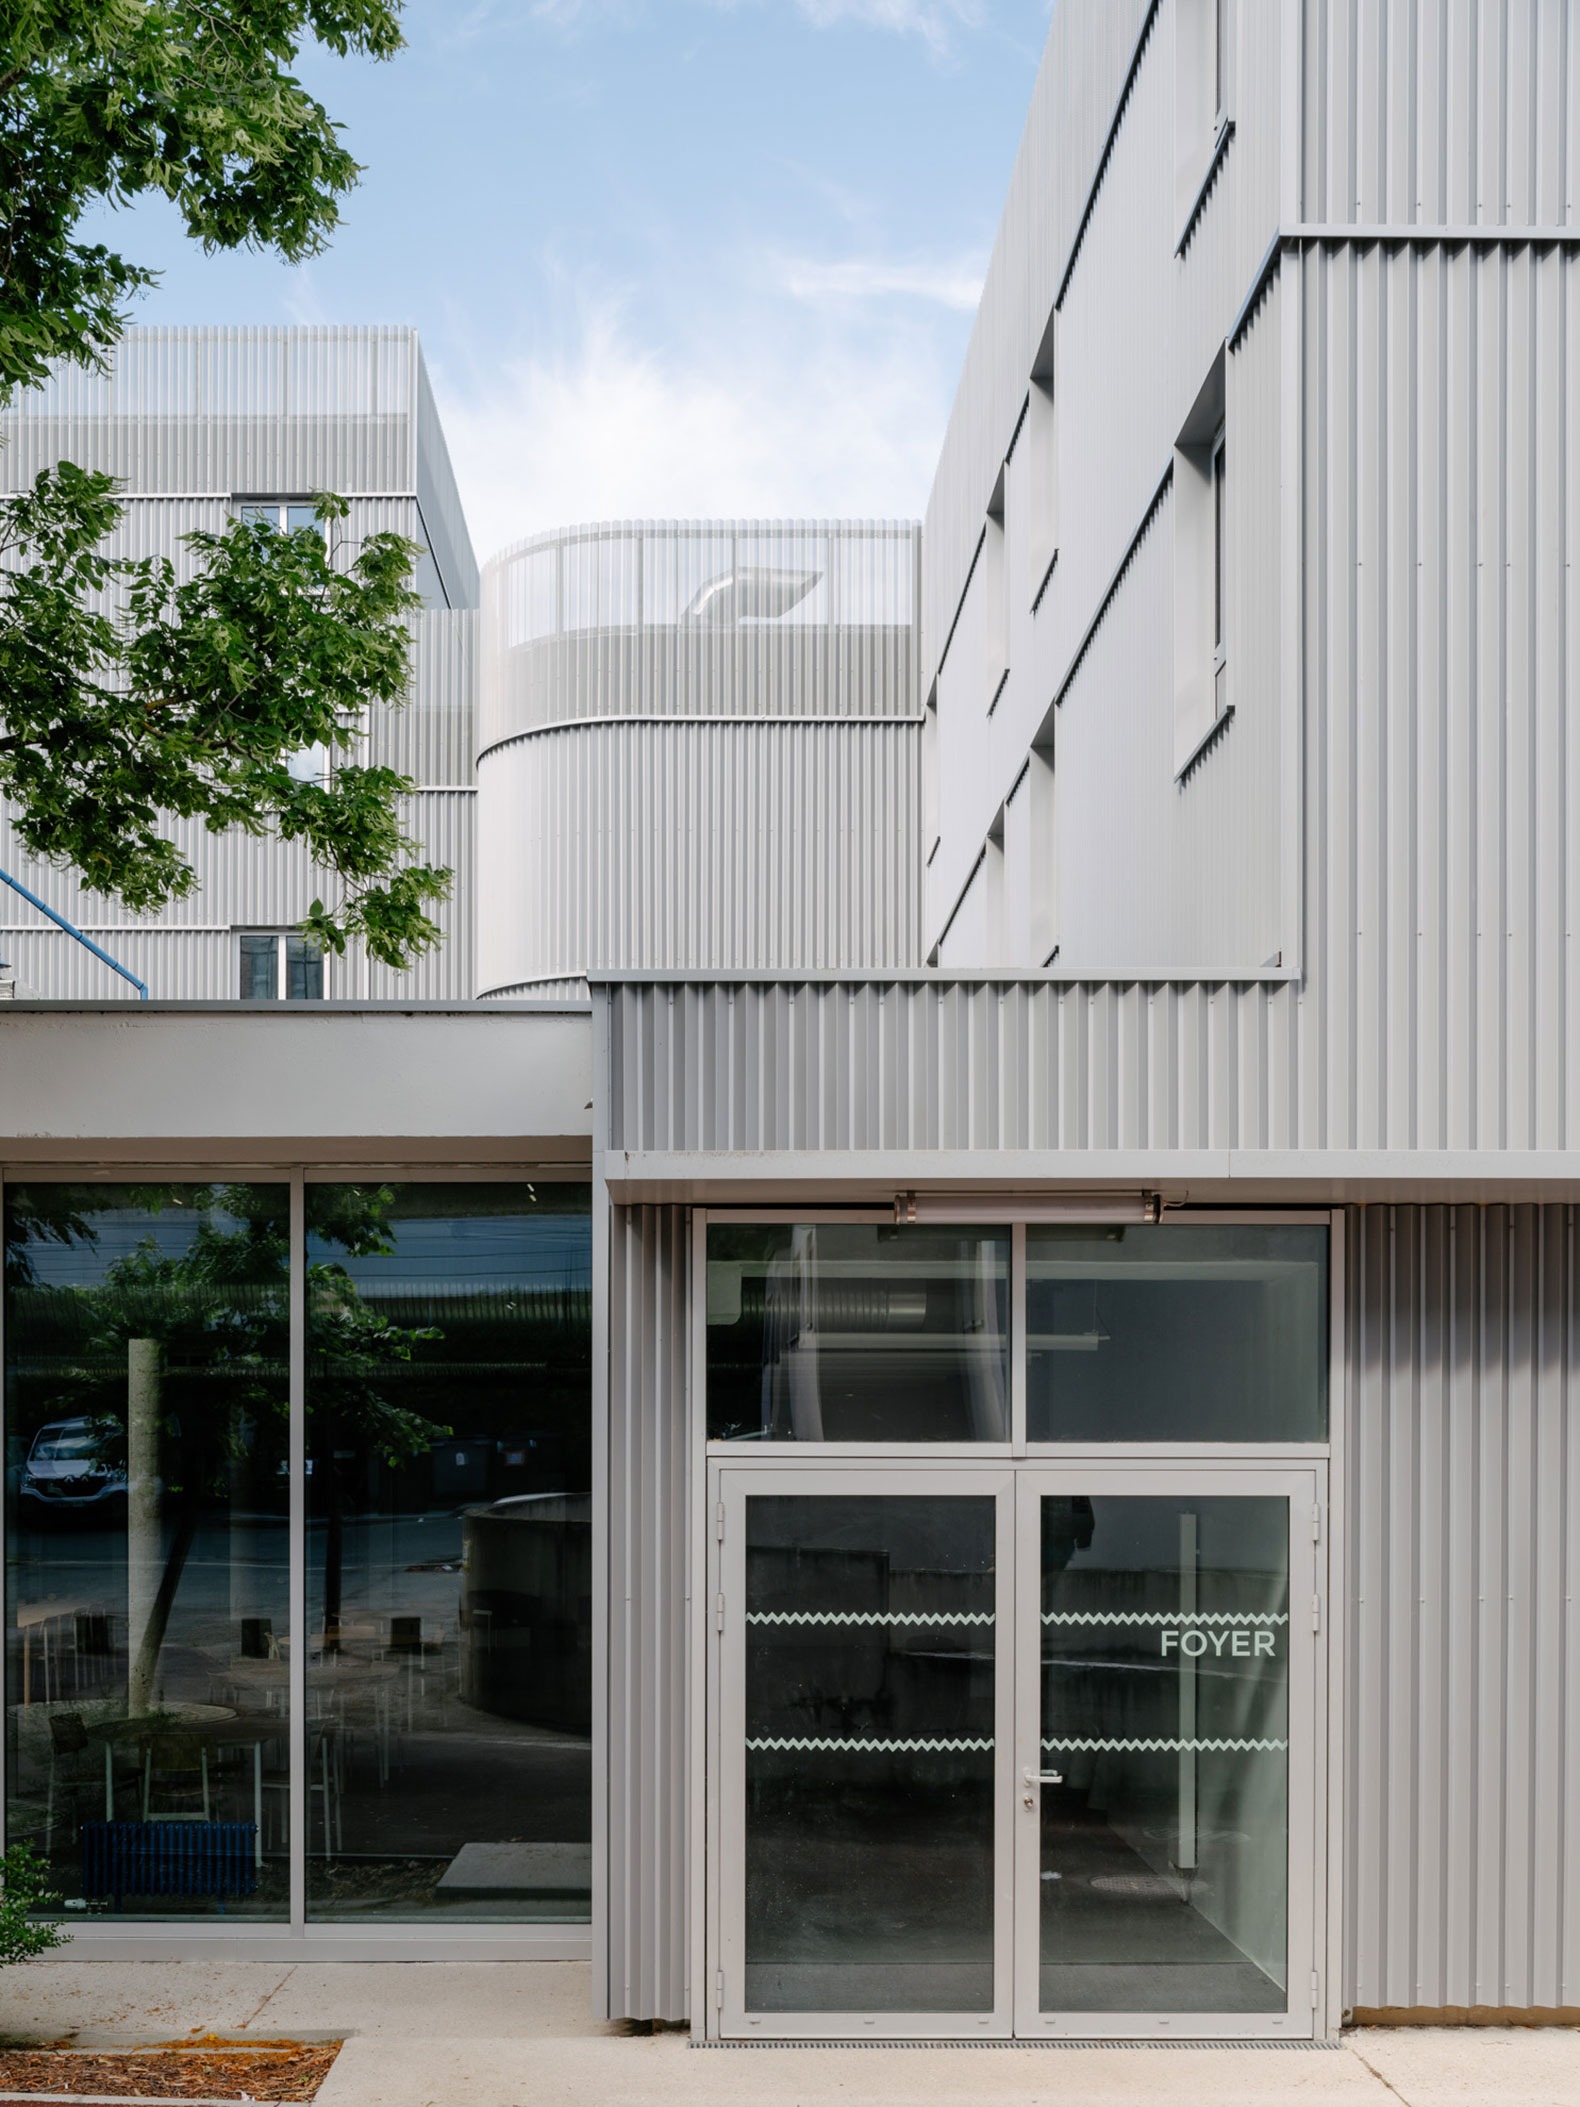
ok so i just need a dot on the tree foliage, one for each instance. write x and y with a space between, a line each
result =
131 695
25 1887
108 101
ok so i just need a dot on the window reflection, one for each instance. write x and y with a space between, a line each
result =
857 1332
1177 1332
147 1547
449 1552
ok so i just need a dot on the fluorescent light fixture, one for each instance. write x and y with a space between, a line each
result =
1097 1208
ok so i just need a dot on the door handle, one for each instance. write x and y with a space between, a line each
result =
1031 1779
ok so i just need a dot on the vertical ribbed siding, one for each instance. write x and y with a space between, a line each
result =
698 846
659 789
226 413
1445 112
247 411
645 1909
432 737
1463 1883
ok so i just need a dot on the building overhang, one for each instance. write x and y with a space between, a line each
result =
380 1085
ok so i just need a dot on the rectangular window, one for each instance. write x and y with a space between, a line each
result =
449 1553
280 968
857 1332
1177 1333
147 1402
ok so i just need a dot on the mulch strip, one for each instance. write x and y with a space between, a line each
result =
208 2070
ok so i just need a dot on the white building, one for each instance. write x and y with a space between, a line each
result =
1027 1492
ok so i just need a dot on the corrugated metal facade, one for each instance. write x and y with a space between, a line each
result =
640 1954
229 413
698 845
700 749
1463 1795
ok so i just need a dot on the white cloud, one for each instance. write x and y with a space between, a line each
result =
771 422
952 285
933 20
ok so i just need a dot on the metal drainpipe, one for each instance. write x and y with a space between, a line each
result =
71 929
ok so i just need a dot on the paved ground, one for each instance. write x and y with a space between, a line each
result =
518 2035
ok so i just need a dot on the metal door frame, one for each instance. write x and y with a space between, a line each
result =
1305 1491
730 1486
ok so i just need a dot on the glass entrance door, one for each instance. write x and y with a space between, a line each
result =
864 1732
1014 1749
1165 1816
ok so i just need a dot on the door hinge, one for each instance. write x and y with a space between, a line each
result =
718 1613
1316 1989
1316 1522
718 1990
718 1521
1316 1613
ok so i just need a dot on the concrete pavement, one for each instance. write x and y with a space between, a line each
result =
517 2034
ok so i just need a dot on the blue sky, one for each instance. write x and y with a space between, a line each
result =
668 257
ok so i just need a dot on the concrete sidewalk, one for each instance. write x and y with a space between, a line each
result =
518 2035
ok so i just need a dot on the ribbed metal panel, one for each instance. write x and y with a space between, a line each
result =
1442 112
432 738
191 950
1463 1825
251 411
643 1926
594 623
698 846
263 412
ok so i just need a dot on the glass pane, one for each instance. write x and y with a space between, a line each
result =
869 1754
147 1543
449 1552
298 517
304 970
857 1332
1165 1717
1174 1333
260 968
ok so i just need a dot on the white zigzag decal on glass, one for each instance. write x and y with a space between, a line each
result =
869 1617
1165 1617
1162 1742
787 1741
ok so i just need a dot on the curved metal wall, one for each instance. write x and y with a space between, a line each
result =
700 749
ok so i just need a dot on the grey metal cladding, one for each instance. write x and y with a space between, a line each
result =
1064 133
1463 1794
699 748
1441 112
246 411
643 1933
191 419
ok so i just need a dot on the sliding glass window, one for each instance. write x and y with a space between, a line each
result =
449 1553
147 1553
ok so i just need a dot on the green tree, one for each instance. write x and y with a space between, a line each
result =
126 697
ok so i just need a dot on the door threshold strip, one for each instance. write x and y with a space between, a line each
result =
1013 2041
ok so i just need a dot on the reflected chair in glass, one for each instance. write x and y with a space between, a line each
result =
323 1783
76 1767
176 1772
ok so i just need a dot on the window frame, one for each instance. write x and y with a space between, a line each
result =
282 940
